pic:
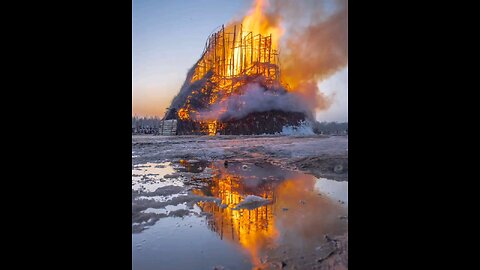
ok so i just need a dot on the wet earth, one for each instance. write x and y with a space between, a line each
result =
249 210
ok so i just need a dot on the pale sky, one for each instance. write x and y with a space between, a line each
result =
168 37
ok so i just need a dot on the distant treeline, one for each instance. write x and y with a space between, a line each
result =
330 127
146 122
150 124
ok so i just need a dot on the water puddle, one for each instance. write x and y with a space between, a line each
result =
239 215
333 189
151 176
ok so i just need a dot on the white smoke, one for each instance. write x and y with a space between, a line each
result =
254 99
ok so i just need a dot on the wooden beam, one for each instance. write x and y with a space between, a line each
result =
241 48
233 51
264 53
244 42
259 52
251 48
269 50
223 60
215 53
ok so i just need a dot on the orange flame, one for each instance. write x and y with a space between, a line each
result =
183 114
257 21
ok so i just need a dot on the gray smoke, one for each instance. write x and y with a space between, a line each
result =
255 99
186 89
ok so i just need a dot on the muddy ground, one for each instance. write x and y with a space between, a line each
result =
322 156
192 161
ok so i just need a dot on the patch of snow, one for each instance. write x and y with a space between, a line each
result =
303 129
167 209
251 202
161 198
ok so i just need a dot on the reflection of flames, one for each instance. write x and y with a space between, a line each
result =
257 231
253 229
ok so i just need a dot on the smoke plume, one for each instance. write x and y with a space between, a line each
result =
255 98
314 51
313 42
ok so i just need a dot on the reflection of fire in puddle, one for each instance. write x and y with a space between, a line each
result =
298 217
288 216
193 166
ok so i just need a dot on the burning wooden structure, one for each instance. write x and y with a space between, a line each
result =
232 59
